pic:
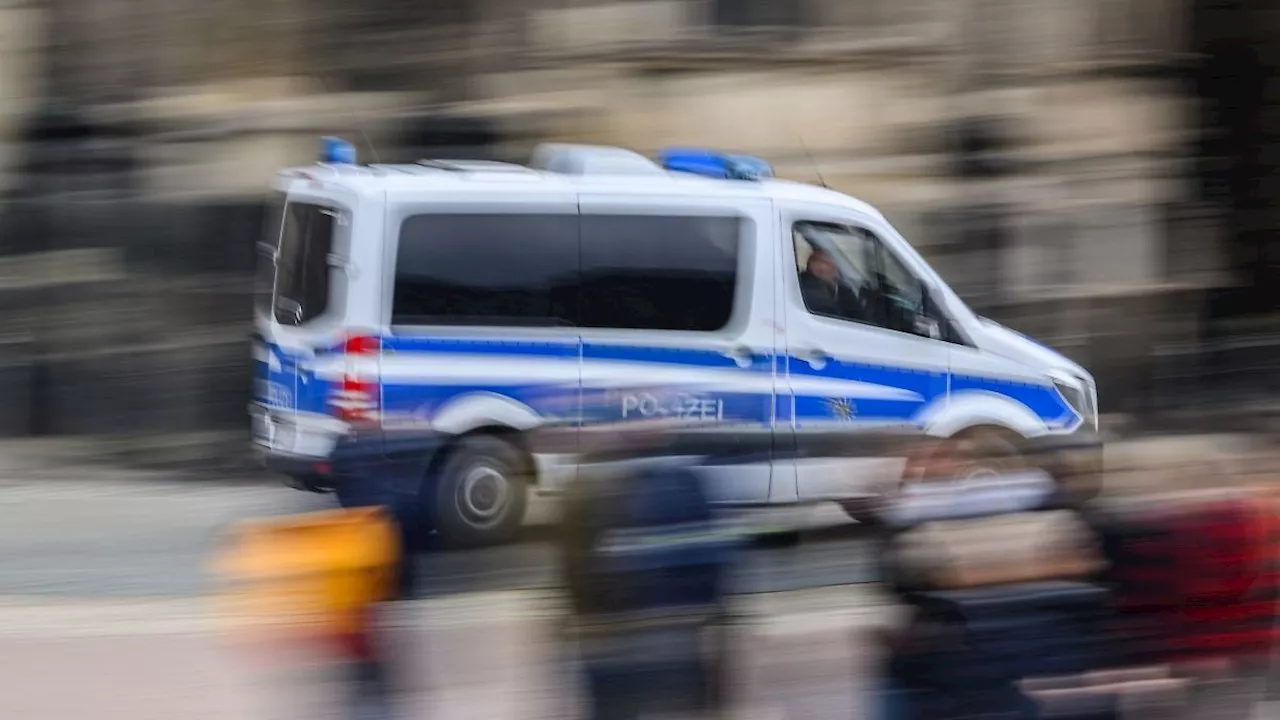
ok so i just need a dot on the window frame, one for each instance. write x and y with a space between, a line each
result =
335 287
947 325
266 256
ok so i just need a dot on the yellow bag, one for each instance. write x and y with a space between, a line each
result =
312 575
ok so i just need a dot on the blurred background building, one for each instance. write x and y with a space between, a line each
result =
1095 173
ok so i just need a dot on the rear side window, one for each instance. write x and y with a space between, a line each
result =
302 263
649 272
494 270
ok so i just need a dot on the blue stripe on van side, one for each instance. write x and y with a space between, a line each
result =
422 396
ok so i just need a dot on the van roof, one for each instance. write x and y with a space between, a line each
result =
404 181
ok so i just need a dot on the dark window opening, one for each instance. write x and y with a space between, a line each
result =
302 264
658 273
518 270
625 272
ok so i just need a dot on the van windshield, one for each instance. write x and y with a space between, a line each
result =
301 288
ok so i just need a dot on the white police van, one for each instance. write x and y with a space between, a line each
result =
467 296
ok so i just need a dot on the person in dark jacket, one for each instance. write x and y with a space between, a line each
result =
644 561
825 293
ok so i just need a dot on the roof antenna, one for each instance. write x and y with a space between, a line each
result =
359 125
812 162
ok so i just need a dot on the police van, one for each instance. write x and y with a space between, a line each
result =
477 299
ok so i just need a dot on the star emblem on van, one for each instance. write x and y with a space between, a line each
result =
841 408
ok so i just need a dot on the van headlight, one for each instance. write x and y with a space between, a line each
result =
1080 396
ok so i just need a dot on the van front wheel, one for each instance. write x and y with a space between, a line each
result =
482 493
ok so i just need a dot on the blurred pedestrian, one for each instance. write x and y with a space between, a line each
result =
994 573
375 470
644 561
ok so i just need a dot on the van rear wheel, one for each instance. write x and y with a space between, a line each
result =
482 492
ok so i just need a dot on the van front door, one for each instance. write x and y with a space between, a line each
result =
862 352
671 291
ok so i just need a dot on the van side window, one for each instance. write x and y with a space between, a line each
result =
265 278
486 270
848 273
650 272
302 264
836 268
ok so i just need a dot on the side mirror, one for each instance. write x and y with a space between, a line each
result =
928 327
925 325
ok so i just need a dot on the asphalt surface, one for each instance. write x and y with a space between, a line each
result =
819 557
80 530
111 533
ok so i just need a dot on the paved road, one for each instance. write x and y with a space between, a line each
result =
478 655
70 539
831 555
112 533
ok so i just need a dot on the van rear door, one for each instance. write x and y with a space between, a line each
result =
300 315
272 387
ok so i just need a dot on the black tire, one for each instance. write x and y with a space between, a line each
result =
989 453
864 511
482 492
776 539
980 452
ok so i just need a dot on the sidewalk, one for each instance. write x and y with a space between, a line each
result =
485 656
482 656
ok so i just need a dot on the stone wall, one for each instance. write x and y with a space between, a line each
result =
1100 248
126 284
140 328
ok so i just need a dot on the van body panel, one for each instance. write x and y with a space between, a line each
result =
729 372
846 375
460 384
971 408
1035 358
462 379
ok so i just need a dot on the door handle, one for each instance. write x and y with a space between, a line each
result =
816 357
293 307
740 354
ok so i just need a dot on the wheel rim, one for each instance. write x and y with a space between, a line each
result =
981 472
483 496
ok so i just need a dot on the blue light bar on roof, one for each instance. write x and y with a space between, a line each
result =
336 151
711 163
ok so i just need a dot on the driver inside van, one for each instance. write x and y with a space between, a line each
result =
825 293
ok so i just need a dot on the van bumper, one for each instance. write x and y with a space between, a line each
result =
302 472
294 465
296 445
1079 454
1083 440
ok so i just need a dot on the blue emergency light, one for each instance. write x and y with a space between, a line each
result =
336 151
710 163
